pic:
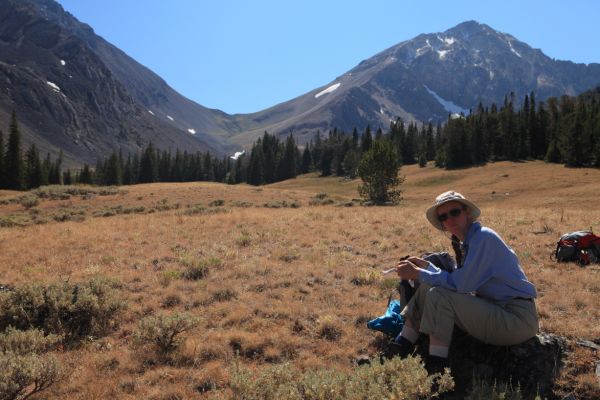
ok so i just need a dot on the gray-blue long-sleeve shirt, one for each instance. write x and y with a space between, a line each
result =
490 269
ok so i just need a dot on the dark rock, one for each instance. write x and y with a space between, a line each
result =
533 365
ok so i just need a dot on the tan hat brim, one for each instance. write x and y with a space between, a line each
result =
432 217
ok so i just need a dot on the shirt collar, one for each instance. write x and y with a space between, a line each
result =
475 226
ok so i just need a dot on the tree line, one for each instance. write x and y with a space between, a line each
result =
21 172
559 130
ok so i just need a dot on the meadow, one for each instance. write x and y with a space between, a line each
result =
282 274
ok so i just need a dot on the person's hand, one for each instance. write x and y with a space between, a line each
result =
407 270
419 262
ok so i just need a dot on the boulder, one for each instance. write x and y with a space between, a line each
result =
533 365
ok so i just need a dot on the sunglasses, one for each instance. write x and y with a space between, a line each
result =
455 212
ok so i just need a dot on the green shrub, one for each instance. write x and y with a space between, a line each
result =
23 375
320 199
65 214
329 329
395 379
73 311
27 342
244 239
59 192
223 295
29 201
161 334
281 204
24 368
196 269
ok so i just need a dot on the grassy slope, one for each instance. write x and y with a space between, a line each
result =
285 273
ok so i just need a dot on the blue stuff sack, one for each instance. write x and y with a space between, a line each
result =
391 322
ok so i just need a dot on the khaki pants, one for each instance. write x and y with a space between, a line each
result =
435 310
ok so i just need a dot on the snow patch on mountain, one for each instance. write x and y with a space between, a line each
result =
54 86
192 131
237 154
442 53
150 111
424 49
447 104
513 49
171 118
328 90
449 40
63 63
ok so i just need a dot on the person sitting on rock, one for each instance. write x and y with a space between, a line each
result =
488 295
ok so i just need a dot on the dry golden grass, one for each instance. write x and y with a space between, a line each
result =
279 282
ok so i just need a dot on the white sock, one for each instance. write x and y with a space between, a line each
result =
438 351
409 334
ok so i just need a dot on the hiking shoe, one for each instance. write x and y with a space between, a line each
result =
435 364
402 348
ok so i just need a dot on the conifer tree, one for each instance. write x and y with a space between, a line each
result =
14 158
351 161
256 174
306 161
33 168
46 167
287 165
576 144
367 140
355 139
378 170
113 174
55 170
67 177
208 167
326 160
409 146
128 171
429 143
148 165
85 176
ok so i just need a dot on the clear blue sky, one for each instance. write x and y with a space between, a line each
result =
246 55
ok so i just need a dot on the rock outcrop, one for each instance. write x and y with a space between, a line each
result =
533 366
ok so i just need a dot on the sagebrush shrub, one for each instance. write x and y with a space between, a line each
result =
397 378
24 368
161 333
27 342
23 375
197 269
74 311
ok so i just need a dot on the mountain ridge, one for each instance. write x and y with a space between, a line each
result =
75 91
54 73
418 78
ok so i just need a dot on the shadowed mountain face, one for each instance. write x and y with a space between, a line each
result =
74 91
425 79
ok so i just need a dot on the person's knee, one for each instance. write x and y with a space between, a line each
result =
435 293
438 299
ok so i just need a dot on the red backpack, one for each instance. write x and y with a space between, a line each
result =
582 247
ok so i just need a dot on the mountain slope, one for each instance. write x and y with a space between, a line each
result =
72 90
425 79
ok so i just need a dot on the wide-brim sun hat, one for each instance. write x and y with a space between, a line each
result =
445 198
